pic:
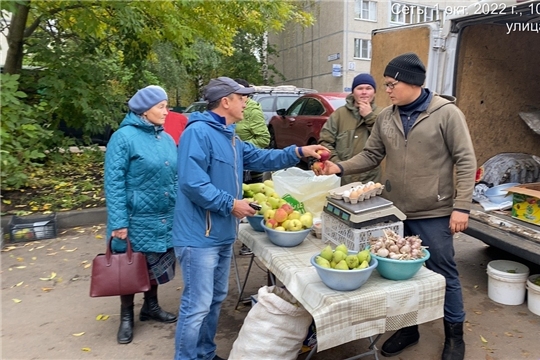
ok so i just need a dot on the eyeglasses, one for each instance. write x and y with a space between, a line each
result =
391 85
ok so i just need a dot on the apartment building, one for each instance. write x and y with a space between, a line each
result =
328 55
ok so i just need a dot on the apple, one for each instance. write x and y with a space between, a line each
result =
306 220
317 166
282 202
295 225
269 214
259 198
280 228
272 223
280 215
294 215
286 223
324 154
288 208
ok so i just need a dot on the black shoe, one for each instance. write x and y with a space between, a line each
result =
402 339
125 331
244 250
152 311
218 358
454 346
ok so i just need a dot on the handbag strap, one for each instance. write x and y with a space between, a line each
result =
129 251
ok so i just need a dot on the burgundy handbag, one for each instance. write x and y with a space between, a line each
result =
119 274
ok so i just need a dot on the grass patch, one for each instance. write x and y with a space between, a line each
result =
67 181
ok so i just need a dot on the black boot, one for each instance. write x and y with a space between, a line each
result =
152 310
454 346
125 331
402 339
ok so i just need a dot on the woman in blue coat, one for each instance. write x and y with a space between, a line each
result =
140 190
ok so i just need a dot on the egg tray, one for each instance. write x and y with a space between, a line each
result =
338 193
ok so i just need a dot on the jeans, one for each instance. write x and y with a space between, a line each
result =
435 233
206 281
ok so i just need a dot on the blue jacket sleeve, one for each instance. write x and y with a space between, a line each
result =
116 166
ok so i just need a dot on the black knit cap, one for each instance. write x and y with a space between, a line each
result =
407 68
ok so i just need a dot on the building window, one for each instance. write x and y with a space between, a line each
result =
405 13
365 10
362 49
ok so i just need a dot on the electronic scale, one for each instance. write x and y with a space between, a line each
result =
369 212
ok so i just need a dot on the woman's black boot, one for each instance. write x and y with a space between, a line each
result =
125 331
152 311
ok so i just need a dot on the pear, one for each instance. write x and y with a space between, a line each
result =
274 202
268 183
363 265
257 187
333 264
364 255
352 261
342 248
338 256
260 198
245 187
264 207
322 262
342 265
327 253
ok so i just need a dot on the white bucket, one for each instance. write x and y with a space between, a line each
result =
533 295
506 281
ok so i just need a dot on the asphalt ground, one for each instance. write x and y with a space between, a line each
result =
48 314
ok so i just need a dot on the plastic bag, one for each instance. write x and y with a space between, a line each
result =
305 187
274 328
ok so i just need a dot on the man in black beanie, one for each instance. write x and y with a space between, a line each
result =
346 131
429 175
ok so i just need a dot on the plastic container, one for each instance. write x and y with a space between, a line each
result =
255 222
32 228
533 295
506 281
285 238
399 269
337 232
499 193
344 280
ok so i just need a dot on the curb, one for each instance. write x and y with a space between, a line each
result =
67 219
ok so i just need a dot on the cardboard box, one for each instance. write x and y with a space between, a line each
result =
526 202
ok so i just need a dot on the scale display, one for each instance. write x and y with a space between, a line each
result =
363 213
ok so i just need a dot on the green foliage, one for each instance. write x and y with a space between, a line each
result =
22 138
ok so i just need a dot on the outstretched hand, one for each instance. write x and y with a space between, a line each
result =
325 168
311 150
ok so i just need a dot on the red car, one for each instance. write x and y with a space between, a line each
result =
301 123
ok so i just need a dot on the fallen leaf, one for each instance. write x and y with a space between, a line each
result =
99 237
16 300
34 258
40 247
49 254
63 246
104 317
477 312
509 334
99 317
86 349
9 248
476 286
78 334
53 275
87 266
483 339
6 201
19 284
84 262
47 289
71 250
32 249
20 267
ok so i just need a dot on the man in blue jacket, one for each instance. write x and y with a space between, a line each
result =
211 161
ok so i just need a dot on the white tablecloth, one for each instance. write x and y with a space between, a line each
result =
380 305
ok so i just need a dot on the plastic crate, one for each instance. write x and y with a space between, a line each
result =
335 231
32 228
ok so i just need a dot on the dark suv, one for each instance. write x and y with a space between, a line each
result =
272 98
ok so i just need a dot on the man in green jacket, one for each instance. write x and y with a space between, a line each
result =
346 131
430 172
